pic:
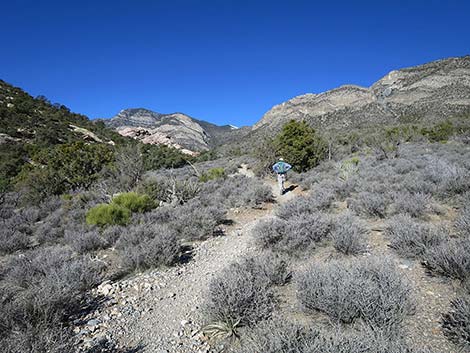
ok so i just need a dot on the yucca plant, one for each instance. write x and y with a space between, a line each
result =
221 330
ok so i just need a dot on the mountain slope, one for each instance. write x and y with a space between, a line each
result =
36 120
177 129
432 91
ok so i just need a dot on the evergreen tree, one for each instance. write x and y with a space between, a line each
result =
300 145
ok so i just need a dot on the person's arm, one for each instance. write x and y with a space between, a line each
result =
288 166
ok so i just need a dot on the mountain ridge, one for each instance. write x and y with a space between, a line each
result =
434 90
177 129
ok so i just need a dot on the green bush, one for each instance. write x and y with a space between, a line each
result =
161 156
134 202
439 132
104 214
300 145
61 168
211 174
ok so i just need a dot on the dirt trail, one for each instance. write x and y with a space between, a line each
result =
159 311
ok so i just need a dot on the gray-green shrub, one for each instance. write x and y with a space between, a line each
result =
370 204
147 246
349 234
411 238
369 289
450 258
243 292
297 235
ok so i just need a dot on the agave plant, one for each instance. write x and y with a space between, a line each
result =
220 330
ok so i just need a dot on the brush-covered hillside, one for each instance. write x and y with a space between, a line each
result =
45 149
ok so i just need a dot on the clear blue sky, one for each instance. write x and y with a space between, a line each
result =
222 61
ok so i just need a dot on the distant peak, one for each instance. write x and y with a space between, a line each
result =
138 110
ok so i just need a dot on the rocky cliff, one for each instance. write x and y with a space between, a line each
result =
433 91
177 130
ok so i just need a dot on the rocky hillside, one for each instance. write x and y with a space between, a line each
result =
433 91
38 121
176 129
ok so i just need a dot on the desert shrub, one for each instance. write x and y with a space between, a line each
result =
272 267
211 174
170 189
240 296
134 202
348 234
161 156
128 167
411 238
108 214
318 200
268 233
462 223
348 168
439 132
415 184
450 258
63 167
369 204
50 337
301 145
449 178
12 239
112 233
276 336
456 322
369 289
280 336
404 166
297 235
49 205
51 229
255 195
146 246
413 204
84 240
236 191
41 289
345 188
196 221
15 232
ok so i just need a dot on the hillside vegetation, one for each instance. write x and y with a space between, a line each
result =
45 149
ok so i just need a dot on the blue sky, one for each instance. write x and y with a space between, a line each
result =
225 61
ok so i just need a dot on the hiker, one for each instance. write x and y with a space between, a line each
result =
281 168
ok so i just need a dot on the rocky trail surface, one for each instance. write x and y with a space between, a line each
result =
159 310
